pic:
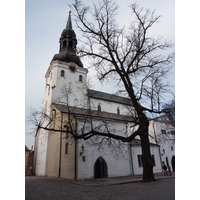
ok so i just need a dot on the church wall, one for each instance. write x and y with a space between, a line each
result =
70 79
117 159
136 150
68 159
41 152
165 141
110 107
53 154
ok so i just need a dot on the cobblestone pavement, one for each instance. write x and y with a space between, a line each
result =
59 188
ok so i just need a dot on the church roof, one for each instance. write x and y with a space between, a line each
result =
109 97
94 113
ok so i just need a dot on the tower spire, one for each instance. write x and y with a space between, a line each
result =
68 42
69 21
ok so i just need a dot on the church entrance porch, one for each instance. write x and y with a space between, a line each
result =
100 168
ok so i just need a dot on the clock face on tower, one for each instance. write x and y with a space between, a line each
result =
72 68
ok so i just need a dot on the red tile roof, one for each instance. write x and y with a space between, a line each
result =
26 148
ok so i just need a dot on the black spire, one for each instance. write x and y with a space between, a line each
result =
68 42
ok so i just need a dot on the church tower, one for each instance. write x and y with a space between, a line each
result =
66 72
65 80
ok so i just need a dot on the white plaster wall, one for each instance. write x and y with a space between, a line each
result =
40 169
117 160
136 150
166 142
110 107
69 80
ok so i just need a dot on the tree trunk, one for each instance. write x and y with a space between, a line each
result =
146 158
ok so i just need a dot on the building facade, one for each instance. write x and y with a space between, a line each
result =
71 105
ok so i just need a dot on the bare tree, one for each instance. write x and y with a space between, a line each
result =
138 62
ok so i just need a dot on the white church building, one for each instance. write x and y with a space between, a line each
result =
66 98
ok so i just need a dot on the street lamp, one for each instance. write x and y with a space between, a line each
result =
82 149
163 152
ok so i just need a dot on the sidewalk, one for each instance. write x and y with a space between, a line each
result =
118 180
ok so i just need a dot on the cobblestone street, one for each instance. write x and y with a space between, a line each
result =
59 188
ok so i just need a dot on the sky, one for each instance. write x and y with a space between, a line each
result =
44 22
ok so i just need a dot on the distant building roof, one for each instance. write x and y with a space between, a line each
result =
26 148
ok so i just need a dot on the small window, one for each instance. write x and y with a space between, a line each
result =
83 158
172 132
172 148
140 163
53 113
75 102
62 73
163 131
80 78
118 111
49 90
66 148
153 159
70 43
64 43
99 108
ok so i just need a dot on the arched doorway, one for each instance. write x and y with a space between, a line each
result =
100 168
173 163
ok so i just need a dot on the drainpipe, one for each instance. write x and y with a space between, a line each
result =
75 156
132 169
60 146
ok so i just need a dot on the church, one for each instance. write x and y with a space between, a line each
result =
69 105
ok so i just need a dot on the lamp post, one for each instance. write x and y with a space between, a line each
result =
163 152
82 150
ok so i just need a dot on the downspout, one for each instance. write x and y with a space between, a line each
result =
60 146
132 169
75 156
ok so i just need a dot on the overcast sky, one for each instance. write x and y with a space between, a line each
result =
44 22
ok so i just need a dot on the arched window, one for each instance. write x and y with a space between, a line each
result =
80 78
70 43
64 43
62 73
99 108
49 90
75 102
118 111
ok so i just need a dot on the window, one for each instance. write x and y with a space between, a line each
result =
99 108
70 43
53 113
66 148
152 156
75 102
118 111
140 163
49 90
163 131
172 148
62 73
64 43
80 78
172 132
